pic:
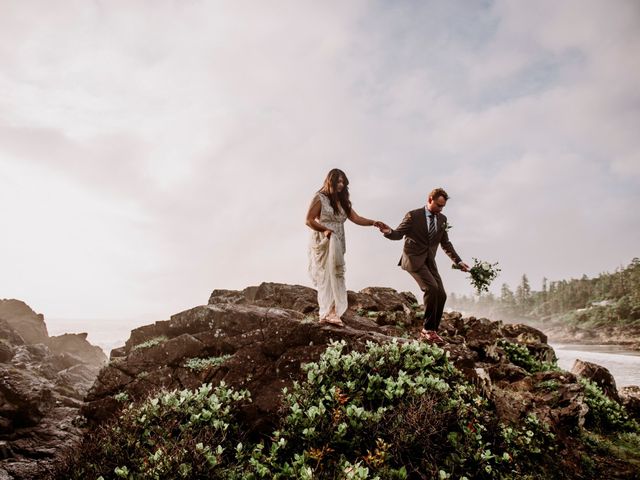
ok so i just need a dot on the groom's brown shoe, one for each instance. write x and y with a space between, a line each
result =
431 336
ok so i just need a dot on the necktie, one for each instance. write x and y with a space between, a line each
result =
432 225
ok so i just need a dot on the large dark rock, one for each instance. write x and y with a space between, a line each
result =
508 372
630 398
40 396
524 333
383 305
76 344
554 397
25 396
267 333
9 335
599 375
29 324
266 347
42 384
6 351
293 297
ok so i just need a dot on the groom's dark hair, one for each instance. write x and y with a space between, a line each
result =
436 193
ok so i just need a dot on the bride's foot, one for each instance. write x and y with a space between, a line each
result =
333 320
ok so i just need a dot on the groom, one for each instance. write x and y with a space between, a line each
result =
423 230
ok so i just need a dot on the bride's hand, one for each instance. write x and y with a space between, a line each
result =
327 233
383 227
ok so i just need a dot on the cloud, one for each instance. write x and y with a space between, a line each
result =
178 145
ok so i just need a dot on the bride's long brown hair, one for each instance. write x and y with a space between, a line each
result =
330 189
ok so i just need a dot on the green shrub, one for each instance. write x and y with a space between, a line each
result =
521 356
548 385
392 411
151 342
200 364
623 446
174 434
605 415
122 397
527 444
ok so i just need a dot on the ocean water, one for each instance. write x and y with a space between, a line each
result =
624 364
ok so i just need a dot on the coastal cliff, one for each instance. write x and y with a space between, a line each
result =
43 381
250 385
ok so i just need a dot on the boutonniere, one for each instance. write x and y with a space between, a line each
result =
447 226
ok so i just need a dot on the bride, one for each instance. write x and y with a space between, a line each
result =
329 209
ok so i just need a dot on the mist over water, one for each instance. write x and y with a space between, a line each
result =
107 334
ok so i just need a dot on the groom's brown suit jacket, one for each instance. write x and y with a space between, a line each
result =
419 249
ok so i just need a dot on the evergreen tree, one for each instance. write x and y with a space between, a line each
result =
507 300
523 296
620 292
544 298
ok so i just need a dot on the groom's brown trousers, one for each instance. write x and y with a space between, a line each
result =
435 297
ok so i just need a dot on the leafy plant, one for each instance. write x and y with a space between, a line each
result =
519 355
527 444
390 411
173 434
151 342
548 385
200 364
605 415
121 397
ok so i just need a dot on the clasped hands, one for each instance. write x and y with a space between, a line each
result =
383 227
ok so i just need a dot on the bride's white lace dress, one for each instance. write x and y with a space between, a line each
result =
326 259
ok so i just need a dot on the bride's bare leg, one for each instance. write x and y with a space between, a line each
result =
332 317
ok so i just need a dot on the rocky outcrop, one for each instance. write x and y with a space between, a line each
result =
27 323
9 335
267 330
292 297
42 386
262 335
599 375
383 305
262 347
76 344
630 398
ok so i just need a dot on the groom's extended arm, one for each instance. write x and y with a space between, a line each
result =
447 246
401 230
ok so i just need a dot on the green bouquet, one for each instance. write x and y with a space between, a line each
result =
481 274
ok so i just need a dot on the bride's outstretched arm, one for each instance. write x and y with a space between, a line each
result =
365 222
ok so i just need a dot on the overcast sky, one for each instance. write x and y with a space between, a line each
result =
151 151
